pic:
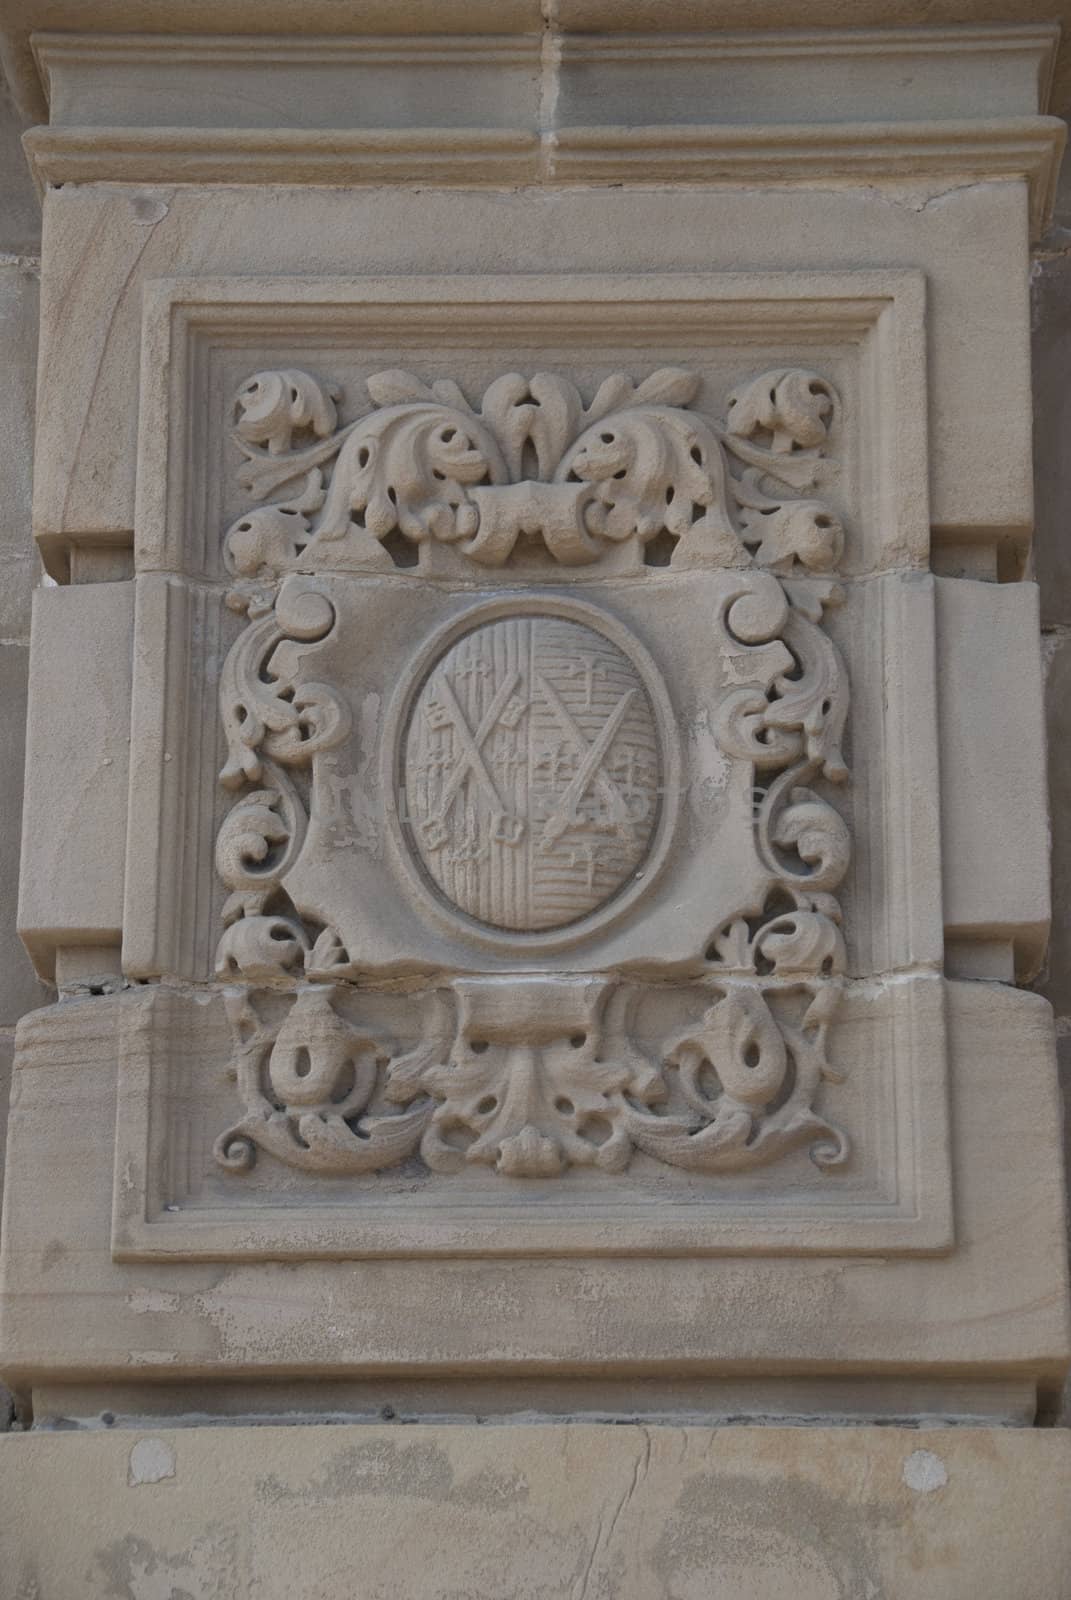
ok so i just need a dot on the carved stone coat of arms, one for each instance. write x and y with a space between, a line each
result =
535 720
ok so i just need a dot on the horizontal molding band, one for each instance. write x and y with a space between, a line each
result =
195 49
491 48
284 155
1028 148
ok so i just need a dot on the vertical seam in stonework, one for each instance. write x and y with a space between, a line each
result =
550 56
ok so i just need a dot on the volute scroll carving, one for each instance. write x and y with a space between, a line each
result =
533 765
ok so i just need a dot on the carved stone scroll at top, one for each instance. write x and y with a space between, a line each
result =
531 775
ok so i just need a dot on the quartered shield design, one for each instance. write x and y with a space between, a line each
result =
532 771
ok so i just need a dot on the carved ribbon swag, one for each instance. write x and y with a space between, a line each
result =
529 1076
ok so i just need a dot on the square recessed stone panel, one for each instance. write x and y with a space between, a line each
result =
535 754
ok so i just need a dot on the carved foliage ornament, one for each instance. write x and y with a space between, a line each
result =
531 464
533 771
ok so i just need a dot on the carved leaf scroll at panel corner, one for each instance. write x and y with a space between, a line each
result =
534 770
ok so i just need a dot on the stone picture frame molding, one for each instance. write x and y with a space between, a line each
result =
878 315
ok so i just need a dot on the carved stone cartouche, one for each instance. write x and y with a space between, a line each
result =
531 773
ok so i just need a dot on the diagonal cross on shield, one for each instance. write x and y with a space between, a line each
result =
506 827
590 768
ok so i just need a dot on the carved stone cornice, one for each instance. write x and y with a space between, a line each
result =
1029 148
545 106
582 27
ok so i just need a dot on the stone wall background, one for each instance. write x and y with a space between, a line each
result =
20 990
1051 322
20 252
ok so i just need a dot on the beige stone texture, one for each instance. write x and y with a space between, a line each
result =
614 423
18 352
1058 700
105 242
512 17
351 1111
20 989
77 769
20 209
537 1512
994 1310
1051 295
19 563
996 880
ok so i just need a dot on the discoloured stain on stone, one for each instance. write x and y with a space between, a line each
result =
726 1529
420 1471
134 1569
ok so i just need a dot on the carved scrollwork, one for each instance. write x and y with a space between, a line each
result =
272 406
532 462
306 1086
274 717
749 1077
788 409
527 1076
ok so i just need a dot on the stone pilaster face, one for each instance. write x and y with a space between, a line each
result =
534 782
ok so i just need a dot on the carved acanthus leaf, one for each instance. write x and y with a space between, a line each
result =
426 464
788 408
531 1076
786 536
273 406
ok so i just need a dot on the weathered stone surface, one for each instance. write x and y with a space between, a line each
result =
1051 295
18 350
20 210
77 769
969 242
993 802
1057 981
537 869
996 1306
537 1512
468 17
20 989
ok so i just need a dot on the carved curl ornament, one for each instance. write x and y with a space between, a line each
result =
529 1074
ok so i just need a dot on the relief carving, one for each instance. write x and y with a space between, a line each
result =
532 465
533 774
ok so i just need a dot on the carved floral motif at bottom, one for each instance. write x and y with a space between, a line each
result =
529 1075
